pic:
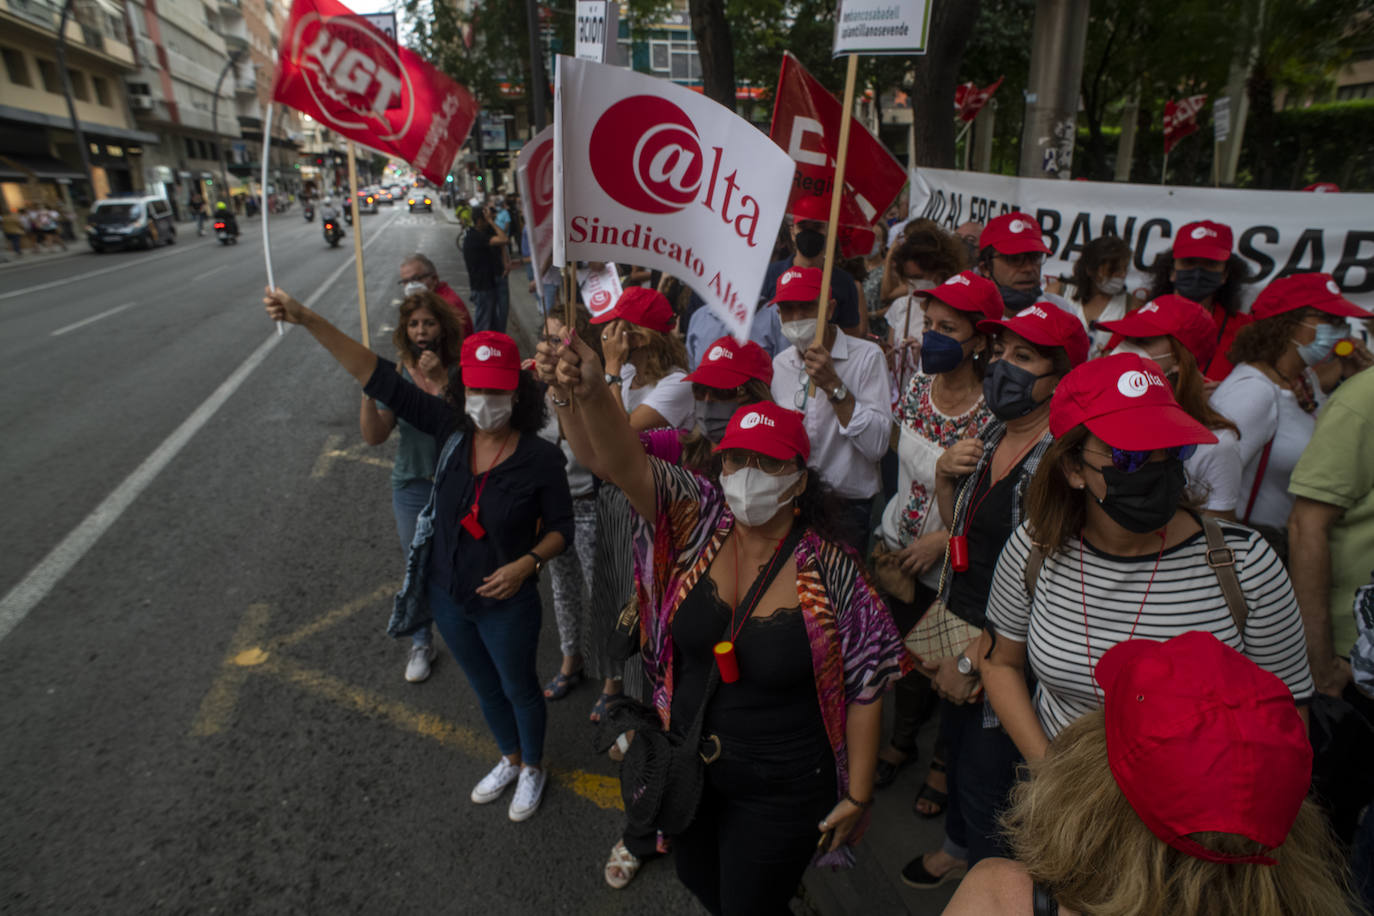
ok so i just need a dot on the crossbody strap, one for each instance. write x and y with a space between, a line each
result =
1222 561
1259 478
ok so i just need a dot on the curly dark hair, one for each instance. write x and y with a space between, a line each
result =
934 250
528 416
1105 250
450 331
1265 340
1227 296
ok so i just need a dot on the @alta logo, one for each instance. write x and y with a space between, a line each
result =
1134 384
752 419
1017 225
719 352
485 353
1201 232
646 155
1332 288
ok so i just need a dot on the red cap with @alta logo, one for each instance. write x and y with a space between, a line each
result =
490 360
639 305
1296 291
768 429
798 284
1013 233
1200 739
729 364
1126 402
1203 239
1046 325
1171 316
969 292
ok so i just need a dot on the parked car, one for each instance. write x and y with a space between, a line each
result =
126 222
420 202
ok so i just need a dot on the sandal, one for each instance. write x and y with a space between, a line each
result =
916 875
934 796
625 862
562 684
599 707
886 772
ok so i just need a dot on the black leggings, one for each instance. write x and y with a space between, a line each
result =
756 831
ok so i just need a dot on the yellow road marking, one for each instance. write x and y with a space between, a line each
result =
338 615
218 705
357 452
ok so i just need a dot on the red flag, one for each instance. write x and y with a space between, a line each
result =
806 123
353 79
969 99
1180 119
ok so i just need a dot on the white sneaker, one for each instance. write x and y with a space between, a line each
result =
495 782
417 668
529 791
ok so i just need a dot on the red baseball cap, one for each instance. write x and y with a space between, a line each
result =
969 292
768 429
1171 316
490 359
729 364
1125 401
813 207
639 305
1046 325
1203 239
1013 233
1296 291
798 284
1201 739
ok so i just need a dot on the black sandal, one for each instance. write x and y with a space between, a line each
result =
936 797
886 772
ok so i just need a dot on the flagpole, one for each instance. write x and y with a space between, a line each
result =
1164 173
357 240
832 227
570 300
266 243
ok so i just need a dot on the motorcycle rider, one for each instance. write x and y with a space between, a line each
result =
225 215
330 213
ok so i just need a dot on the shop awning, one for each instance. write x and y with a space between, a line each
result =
28 167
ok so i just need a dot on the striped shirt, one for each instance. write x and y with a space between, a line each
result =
1185 596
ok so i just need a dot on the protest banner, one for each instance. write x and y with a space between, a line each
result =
600 288
881 27
650 173
534 181
1276 232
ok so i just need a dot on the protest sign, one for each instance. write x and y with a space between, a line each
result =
1180 119
1276 232
597 26
534 181
650 173
881 26
600 288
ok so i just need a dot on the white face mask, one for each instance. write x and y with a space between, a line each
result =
1164 356
919 285
1112 286
801 334
489 411
755 497
413 287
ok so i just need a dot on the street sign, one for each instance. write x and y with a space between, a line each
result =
384 22
1221 118
881 26
597 26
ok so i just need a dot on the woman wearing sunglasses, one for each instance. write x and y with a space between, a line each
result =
746 557
1125 556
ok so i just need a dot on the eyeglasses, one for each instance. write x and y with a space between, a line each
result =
733 460
1128 462
803 393
415 279
1024 259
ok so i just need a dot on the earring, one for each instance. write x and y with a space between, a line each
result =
796 511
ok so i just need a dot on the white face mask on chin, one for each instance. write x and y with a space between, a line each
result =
755 497
413 287
489 411
800 334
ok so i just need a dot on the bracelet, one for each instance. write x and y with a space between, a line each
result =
557 403
538 562
862 806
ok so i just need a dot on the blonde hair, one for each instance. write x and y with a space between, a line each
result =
1078 836
659 355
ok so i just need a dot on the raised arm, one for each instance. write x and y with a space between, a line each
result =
353 356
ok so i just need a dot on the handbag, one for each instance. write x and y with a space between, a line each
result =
624 639
940 633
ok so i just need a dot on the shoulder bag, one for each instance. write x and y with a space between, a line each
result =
940 633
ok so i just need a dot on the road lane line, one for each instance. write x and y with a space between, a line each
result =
33 588
94 318
95 273
218 706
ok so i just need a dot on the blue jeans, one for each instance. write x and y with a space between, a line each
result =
495 646
491 307
549 296
982 769
406 504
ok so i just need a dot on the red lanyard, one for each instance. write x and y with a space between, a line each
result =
1083 584
767 576
968 522
482 483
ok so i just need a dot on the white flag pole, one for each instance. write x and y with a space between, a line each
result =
266 244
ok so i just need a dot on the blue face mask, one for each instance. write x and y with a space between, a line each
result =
1326 337
1017 299
940 353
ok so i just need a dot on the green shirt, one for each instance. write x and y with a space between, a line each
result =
417 453
1337 468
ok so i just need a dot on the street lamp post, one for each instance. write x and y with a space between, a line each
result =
67 91
214 117
536 64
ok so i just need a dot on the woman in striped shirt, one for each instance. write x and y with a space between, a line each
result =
1124 556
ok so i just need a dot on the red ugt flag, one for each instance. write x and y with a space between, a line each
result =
806 123
969 99
1180 119
348 75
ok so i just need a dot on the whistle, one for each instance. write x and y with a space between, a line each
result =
958 553
726 662
1344 348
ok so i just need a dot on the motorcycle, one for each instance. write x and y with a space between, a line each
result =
348 215
227 232
332 233
309 212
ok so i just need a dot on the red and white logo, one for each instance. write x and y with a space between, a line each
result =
1017 226
718 353
1202 232
750 420
1033 311
1149 307
541 182
1332 288
646 155
959 279
354 75
601 300
485 353
1135 383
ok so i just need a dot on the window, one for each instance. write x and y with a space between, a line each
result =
79 89
16 67
139 89
658 56
686 65
51 81
191 149
102 90
1346 93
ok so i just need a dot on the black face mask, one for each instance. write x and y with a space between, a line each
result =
1007 390
417 349
1197 283
714 416
1144 500
810 243
1017 299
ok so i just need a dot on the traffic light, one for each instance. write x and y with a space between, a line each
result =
448 180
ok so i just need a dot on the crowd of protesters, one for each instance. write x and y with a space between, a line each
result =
1126 535
35 228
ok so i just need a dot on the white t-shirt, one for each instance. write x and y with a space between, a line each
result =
1263 410
671 397
1214 472
1116 308
896 318
1186 595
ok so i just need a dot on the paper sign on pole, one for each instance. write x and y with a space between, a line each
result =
653 174
600 288
382 22
597 26
1221 118
881 26
534 180
1277 232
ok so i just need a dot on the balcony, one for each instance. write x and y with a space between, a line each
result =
246 84
231 8
90 27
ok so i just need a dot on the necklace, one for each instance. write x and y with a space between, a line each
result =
1083 585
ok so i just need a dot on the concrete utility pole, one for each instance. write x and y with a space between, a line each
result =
214 120
1056 70
71 106
536 65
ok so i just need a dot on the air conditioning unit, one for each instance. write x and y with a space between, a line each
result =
142 102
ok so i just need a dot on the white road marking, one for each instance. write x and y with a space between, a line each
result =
41 580
85 321
132 262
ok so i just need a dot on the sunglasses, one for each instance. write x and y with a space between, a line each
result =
733 460
1128 462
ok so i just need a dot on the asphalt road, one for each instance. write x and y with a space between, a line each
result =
200 710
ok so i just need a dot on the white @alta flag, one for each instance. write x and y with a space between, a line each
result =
534 180
649 173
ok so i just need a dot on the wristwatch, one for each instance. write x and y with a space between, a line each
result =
538 562
613 379
964 664
839 393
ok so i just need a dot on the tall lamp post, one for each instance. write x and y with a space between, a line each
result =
214 116
67 91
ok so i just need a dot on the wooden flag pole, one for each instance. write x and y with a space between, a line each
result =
832 227
570 298
357 241
1164 172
